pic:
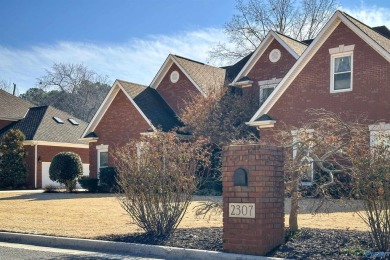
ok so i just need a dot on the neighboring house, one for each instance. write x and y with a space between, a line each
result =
345 70
48 131
267 65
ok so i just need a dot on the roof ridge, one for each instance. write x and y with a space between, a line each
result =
129 82
281 34
201 63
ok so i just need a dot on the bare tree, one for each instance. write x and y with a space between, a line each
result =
300 20
72 88
158 176
6 85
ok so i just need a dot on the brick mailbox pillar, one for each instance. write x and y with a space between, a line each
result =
253 198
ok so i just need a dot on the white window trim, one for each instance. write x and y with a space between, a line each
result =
341 51
100 149
272 83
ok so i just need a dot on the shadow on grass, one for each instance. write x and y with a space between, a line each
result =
193 238
57 196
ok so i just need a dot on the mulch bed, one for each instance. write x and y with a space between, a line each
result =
306 244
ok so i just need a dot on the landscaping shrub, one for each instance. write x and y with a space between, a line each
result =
158 178
65 168
107 178
13 171
50 188
90 184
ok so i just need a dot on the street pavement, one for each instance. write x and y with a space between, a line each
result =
13 251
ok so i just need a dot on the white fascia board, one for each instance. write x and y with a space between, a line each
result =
283 43
164 70
298 66
365 37
161 72
262 124
243 84
137 107
255 56
10 119
46 143
188 76
102 109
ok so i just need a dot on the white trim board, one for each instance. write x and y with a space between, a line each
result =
107 103
328 29
260 51
58 144
164 70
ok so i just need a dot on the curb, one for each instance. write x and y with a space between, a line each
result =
121 247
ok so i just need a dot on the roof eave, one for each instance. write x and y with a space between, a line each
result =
262 124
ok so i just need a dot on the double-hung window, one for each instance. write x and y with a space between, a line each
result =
341 69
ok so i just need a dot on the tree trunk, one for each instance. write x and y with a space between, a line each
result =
293 219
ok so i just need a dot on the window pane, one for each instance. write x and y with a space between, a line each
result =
103 159
342 64
265 93
342 81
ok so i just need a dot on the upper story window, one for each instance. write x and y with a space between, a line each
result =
267 87
341 71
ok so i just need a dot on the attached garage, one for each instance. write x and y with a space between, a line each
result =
45 174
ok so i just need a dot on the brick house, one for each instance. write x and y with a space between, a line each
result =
345 70
131 110
267 65
48 131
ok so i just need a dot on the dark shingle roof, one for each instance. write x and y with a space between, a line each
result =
205 76
39 125
233 70
374 35
12 107
382 30
152 105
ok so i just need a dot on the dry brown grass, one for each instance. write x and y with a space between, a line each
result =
91 215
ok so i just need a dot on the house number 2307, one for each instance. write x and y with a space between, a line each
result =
242 210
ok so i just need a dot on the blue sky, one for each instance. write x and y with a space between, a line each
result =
125 39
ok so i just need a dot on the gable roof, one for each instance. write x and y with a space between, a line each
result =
39 125
377 41
295 48
152 105
233 70
146 100
11 107
204 77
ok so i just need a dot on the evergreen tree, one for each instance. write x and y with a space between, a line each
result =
13 171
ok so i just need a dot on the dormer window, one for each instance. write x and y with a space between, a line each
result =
341 70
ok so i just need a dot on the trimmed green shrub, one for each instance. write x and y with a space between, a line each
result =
13 171
90 184
107 177
65 168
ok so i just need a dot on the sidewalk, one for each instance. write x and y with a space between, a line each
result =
122 248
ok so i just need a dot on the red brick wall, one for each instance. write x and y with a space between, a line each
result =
264 69
4 123
121 123
30 160
175 94
265 188
46 154
311 88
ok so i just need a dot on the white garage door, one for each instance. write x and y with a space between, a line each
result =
46 179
